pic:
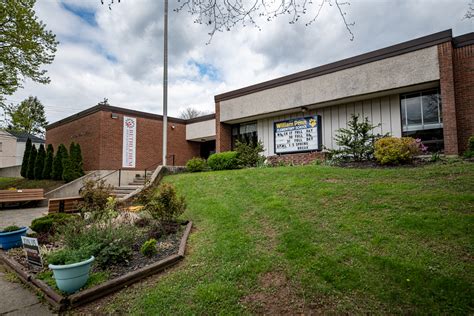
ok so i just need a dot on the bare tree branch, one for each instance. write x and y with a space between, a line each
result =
190 112
223 15
470 11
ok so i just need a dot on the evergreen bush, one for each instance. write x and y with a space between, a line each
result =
79 164
249 153
356 142
39 162
26 156
48 162
69 173
166 205
30 174
469 153
57 173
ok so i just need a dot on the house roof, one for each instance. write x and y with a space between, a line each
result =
23 137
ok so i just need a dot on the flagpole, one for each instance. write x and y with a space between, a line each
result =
165 82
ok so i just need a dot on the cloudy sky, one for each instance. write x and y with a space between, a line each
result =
117 54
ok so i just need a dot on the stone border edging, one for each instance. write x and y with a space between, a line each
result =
61 303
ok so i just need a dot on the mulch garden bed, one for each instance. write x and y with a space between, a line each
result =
170 250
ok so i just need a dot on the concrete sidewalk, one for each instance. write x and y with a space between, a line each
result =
20 216
18 300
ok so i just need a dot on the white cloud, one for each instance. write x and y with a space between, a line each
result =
120 57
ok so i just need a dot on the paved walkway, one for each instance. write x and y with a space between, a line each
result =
19 216
18 300
15 298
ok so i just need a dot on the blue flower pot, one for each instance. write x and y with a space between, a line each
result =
71 277
12 239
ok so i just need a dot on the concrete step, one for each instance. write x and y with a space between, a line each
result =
118 195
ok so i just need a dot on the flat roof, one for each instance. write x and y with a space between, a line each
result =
391 51
109 108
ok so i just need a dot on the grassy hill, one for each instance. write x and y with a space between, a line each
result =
321 239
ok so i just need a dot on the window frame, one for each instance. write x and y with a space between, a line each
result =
416 127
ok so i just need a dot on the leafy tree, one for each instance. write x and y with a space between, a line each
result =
39 162
25 46
249 153
48 162
28 116
57 173
26 156
355 142
30 174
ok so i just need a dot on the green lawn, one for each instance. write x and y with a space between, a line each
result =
21 183
321 239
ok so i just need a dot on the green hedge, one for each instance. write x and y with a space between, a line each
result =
223 161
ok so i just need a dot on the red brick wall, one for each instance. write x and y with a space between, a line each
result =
296 159
223 133
87 132
464 92
446 73
102 145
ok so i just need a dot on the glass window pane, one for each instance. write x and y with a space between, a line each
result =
430 108
404 122
413 106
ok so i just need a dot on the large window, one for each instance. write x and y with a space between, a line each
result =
421 118
245 132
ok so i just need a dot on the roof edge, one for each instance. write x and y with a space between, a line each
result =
379 54
463 40
110 108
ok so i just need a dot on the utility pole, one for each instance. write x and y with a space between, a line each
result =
165 82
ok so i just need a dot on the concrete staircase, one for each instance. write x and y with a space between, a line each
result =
125 189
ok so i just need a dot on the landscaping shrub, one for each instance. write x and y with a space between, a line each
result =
11 228
223 161
48 162
108 243
57 173
248 154
469 153
356 143
95 196
39 163
30 174
68 256
196 164
166 205
148 248
394 150
50 223
26 157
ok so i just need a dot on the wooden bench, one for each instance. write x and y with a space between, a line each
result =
21 196
64 205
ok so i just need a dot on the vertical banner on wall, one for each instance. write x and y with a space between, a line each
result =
129 142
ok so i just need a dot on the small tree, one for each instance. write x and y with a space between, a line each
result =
68 167
30 174
39 162
26 157
48 162
355 142
76 159
57 173
166 206
249 153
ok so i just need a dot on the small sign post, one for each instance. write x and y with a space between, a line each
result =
33 256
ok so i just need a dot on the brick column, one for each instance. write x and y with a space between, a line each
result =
448 101
223 133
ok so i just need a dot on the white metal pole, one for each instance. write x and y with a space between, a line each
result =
165 82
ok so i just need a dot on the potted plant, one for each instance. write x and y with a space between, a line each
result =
10 237
70 269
